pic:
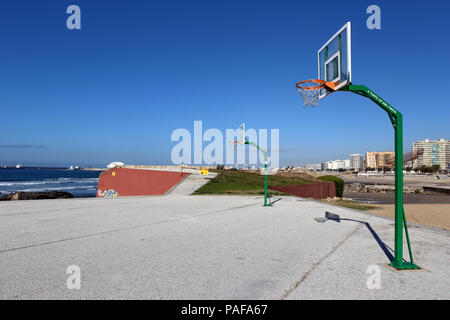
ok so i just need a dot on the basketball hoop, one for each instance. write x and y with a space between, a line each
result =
240 133
310 90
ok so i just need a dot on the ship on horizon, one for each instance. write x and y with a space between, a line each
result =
76 168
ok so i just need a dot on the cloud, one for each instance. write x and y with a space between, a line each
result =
21 146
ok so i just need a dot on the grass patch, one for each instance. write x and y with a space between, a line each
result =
351 204
247 183
338 183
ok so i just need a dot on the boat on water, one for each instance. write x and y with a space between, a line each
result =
76 168
19 166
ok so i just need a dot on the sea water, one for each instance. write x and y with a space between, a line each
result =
79 183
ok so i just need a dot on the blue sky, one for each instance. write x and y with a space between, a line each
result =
137 70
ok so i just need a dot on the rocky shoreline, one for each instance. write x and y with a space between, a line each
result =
377 188
36 195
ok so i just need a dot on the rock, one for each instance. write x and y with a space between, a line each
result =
37 195
7 197
357 187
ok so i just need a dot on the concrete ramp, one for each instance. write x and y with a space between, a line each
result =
191 183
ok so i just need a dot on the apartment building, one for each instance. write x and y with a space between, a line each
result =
356 162
380 160
435 152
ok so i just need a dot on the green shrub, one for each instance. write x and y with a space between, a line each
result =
338 183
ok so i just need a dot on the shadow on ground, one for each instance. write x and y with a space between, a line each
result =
386 249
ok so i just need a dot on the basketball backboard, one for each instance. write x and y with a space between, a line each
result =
239 135
335 60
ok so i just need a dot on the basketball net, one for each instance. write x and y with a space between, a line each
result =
310 90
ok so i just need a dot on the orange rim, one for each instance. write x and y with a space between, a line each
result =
320 84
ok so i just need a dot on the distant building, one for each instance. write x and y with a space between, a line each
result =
347 164
380 160
313 167
356 162
339 164
115 164
435 152
336 165
329 165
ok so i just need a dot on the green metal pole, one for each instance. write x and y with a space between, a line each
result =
398 257
265 172
396 119
407 238
265 180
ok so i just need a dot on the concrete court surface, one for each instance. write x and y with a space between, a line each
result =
208 247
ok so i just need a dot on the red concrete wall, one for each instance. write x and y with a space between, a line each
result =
321 190
137 182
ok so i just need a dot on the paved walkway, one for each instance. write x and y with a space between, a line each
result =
208 247
191 183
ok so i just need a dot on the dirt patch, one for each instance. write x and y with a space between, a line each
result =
434 215
296 174
350 204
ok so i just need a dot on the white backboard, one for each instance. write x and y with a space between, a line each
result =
335 59
241 134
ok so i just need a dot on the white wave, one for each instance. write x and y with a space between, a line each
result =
58 189
20 183
48 181
6 183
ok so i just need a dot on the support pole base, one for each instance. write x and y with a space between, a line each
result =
404 266
267 205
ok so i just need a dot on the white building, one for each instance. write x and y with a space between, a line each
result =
337 165
356 162
347 164
330 165
115 164
313 167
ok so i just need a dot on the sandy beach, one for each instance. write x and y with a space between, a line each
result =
427 209
434 215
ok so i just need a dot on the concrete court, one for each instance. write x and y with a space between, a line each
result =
207 247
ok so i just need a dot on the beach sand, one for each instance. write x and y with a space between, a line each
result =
435 215
427 209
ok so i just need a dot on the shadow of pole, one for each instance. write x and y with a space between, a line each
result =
272 202
386 249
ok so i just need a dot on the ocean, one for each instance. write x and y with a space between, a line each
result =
77 182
